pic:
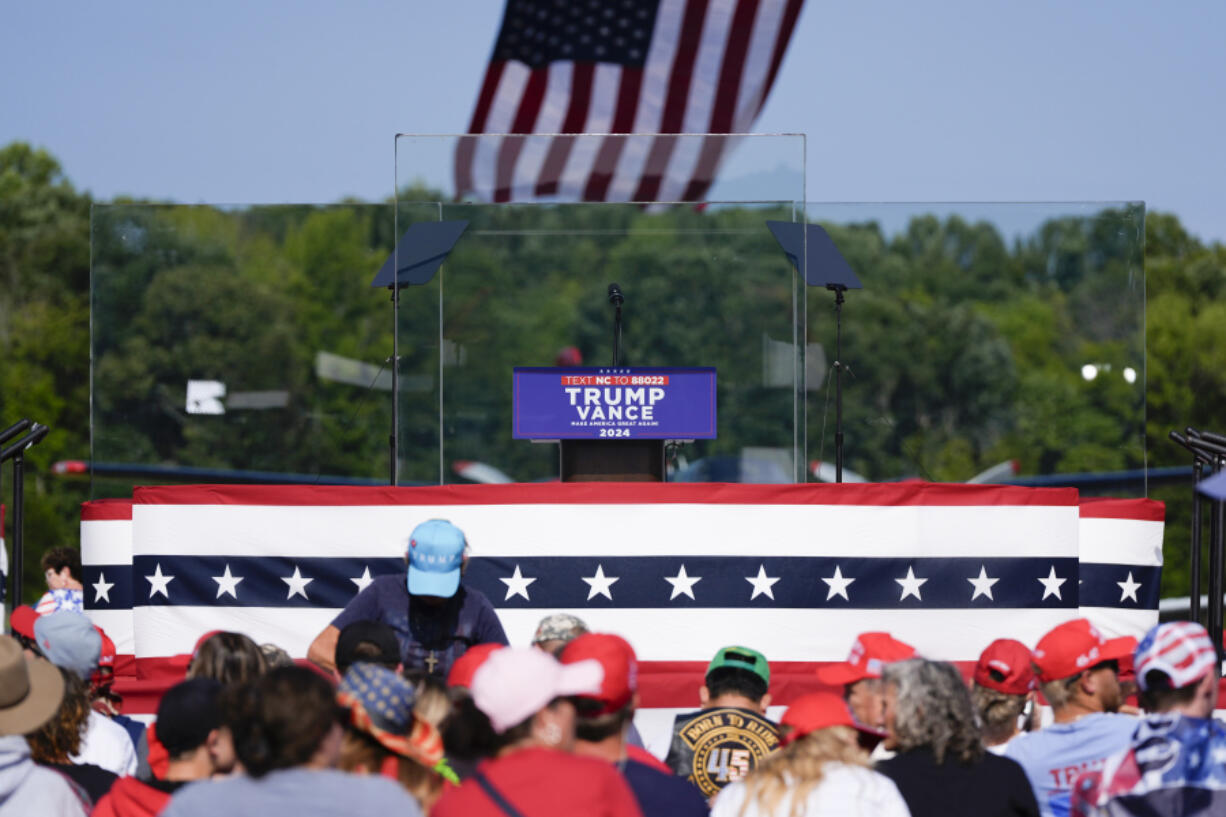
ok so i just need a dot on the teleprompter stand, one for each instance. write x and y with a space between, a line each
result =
612 460
413 262
16 452
819 261
1208 452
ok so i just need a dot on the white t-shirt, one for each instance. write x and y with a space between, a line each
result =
106 744
845 791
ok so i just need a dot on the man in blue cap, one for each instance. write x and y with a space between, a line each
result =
435 618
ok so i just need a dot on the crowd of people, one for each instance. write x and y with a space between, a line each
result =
414 703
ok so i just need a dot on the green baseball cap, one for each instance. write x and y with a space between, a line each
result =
742 658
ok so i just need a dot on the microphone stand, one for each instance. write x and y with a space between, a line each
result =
616 298
838 290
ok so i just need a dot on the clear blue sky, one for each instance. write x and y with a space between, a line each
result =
958 100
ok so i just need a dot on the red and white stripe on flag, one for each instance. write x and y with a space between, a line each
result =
1122 538
635 67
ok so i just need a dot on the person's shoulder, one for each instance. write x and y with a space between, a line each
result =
1001 765
475 598
861 777
366 792
1022 746
1112 723
206 796
389 582
730 800
460 800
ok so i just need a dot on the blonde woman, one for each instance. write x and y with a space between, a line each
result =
820 770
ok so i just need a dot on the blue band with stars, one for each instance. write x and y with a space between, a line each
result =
817 582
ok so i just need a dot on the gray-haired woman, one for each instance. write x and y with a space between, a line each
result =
941 767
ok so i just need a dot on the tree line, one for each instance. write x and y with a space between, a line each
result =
966 347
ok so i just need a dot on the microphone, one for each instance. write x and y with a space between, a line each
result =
615 295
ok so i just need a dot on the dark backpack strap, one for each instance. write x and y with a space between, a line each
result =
495 795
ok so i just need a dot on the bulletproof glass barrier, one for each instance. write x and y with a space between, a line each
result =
990 341
552 222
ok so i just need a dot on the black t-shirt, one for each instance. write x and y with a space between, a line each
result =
993 787
713 747
431 638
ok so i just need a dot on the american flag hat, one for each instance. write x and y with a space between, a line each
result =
1180 650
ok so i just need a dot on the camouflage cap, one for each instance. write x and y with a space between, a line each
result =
559 627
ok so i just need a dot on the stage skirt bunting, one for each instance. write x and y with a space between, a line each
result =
1120 541
680 570
106 562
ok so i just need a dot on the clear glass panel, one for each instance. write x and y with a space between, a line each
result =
249 338
243 338
986 333
526 285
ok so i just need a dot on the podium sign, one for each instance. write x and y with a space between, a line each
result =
612 403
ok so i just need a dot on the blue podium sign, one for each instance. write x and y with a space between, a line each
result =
616 402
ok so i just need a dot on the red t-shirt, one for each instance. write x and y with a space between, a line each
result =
543 783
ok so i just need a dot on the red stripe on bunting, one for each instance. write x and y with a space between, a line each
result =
1145 510
106 510
608 493
662 684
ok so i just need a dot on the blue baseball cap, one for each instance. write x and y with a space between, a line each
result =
436 550
70 641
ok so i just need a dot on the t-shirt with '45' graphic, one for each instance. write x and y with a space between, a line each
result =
715 747
1056 755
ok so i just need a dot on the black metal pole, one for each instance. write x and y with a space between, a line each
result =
1217 528
617 335
13 430
1197 513
18 522
838 383
393 438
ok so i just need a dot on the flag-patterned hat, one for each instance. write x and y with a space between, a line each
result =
1180 650
380 703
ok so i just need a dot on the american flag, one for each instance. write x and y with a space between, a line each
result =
619 67
795 571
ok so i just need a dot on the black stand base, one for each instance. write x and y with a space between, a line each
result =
611 460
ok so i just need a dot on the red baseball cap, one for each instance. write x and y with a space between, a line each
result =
465 667
1010 659
616 657
107 659
812 712
869 654
22 620
1074 647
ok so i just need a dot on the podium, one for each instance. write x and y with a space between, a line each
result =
611 460
611 423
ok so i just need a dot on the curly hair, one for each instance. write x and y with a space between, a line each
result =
60 738
933 710
58 558
798 768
